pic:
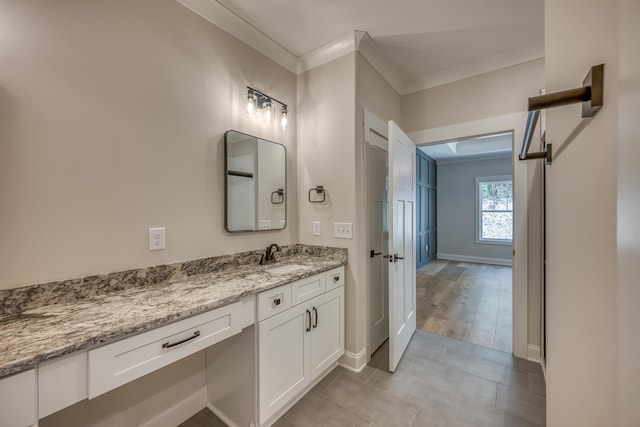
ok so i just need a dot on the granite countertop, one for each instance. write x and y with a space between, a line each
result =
54 330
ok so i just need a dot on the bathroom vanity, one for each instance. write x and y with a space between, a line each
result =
270 333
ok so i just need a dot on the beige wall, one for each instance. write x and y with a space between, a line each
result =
375 94
331 101
487 95
582 318
112 116
326 156
628 214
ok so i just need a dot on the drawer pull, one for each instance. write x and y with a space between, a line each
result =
276 301
196 334
336 278
315 322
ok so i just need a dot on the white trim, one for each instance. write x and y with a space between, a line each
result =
476 259
370 51
220 414
329 52
476 68
235 25
513 122
533 353
354 361
475 158
180 411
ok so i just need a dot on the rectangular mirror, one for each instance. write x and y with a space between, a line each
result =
255 183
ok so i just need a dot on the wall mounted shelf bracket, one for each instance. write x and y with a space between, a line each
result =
590 95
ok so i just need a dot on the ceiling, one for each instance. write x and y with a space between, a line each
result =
421 38
482 147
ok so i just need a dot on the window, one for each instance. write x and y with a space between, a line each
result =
494 209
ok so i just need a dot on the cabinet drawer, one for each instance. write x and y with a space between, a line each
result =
335 278
274 301
304 289
18 400
123 361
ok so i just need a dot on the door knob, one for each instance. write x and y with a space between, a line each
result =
396 257
373 253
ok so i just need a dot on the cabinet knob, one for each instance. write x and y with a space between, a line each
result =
277 301
336 278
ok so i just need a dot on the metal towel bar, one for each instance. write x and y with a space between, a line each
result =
590 95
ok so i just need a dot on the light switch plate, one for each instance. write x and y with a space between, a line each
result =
157 238
316 228
342 230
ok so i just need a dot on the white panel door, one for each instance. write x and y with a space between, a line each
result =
402 255
284 358
327 330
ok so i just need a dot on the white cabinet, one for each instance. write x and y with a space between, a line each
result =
283 358
297 345
18 400
327 330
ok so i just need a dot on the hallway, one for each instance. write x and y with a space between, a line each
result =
466 301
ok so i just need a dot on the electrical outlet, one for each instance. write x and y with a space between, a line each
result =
342 230
157 238
316 228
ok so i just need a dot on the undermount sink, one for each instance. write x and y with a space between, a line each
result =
284 269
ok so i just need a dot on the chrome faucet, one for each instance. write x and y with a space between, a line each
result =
268 257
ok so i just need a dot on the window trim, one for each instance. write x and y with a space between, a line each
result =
481 180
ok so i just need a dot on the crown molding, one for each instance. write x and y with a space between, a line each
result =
370 50
233 24
471 69
329 52
360 41
475 158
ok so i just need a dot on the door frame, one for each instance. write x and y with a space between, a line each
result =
515 124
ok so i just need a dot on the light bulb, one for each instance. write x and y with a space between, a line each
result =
251 99
267 109
284 118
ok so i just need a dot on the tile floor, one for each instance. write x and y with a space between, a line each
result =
470 302
440 381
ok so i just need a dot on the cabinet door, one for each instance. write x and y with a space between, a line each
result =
327 330
18 400
283 344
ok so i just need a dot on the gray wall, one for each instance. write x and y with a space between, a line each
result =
457 210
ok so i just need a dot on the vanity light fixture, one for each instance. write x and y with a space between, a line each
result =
257 101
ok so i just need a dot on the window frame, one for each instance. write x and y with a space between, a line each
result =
479 210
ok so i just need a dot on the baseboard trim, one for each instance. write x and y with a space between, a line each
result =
476 259
179 412
354 361
218 413
533 353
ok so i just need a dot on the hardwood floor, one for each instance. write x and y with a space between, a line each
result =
440 382
466 301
